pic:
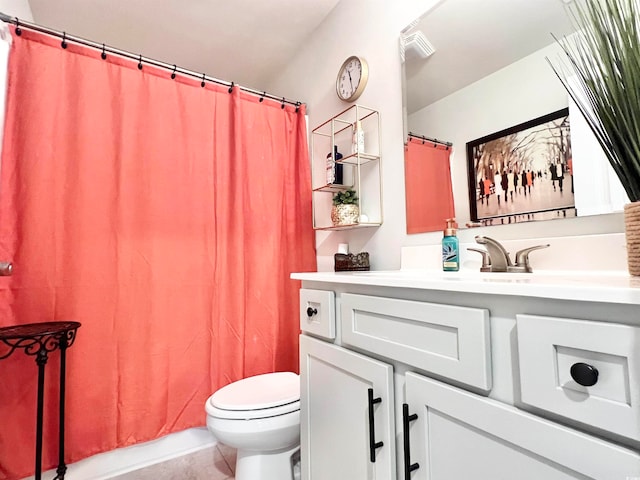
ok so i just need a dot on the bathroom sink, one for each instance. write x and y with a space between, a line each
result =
394 273
544 276
584 285
462 275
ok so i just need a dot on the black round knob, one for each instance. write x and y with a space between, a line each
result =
311 311
584 374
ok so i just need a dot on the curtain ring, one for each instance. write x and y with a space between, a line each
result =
282 106
297 107
18 29
173 74
231 87
140 63
64 40
262 97
202 84
104 53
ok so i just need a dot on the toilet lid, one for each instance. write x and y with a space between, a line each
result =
262 391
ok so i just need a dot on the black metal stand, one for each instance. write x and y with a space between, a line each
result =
40 339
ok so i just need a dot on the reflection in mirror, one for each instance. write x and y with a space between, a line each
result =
523 173
429 197
472 69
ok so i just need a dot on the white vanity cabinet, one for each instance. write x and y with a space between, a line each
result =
347 414
446 340
455 434
606 359
435 384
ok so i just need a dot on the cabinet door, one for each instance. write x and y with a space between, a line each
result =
446 340
460 435
337 433
549 348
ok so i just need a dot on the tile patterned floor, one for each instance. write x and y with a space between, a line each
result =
215 463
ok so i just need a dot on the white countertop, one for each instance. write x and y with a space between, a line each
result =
584 286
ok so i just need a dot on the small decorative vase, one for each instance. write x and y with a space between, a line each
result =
632 234
345 214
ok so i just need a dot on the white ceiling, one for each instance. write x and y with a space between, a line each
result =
244 41
474 38
250 41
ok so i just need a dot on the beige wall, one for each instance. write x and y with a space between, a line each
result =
17 8
368 28
371 28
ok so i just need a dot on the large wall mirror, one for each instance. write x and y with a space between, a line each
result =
473 69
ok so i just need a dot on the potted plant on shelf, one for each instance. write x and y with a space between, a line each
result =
602 77
345 210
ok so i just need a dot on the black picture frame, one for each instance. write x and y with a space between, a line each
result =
522 173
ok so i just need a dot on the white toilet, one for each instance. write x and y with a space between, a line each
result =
260 417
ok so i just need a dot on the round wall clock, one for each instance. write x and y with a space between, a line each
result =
352 78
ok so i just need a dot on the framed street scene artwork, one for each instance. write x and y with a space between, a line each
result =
523 173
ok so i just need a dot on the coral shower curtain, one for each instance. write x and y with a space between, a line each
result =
164 217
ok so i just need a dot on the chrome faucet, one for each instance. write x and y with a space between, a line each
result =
496 258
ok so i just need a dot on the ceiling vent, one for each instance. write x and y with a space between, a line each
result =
417 45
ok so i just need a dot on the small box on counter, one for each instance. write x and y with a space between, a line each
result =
348 262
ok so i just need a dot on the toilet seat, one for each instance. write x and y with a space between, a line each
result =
252 414
261 396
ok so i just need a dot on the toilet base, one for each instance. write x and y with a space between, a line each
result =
275 465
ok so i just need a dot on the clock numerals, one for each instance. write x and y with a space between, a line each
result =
347 85
352 78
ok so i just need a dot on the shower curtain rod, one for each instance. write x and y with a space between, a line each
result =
432 140
150 61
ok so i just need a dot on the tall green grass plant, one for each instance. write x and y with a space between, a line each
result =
602 76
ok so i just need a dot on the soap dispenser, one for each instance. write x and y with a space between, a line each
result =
450 247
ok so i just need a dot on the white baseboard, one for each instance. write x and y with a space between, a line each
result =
127 459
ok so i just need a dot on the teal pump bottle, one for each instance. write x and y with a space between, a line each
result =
450 248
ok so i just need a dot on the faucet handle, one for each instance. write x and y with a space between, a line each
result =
486 259
522 258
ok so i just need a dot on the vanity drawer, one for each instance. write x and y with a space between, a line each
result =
449 341
549 347
318 312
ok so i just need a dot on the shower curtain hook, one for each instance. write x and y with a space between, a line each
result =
262 97
64 40
202 83
18 29
140 63
282 106
173 74
231 87
104 53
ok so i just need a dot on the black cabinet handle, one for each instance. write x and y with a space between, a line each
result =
406 418
311 311
584 374
373 445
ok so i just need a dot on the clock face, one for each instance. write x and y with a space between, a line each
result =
352 78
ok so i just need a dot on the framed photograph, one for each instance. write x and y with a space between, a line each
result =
523 173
